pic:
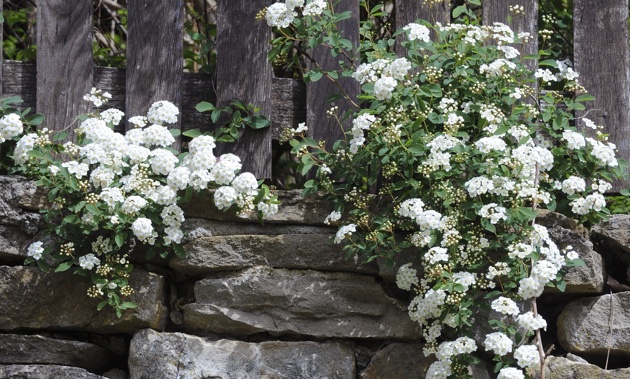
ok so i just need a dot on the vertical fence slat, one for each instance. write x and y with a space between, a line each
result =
1 51
601 58
155 55
64 61
499 10
320 126
244 73
410 11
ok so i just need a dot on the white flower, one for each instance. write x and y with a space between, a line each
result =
88 261
498 342
439 370
344 231
574 140
138 121
245 184
487 144
112 115
36 250
589 123
406 277
224 197
314 8
383 87
23 146
279 15
573 184
505 306
398 68
493 212
178 178
417 32
333 217
157 135
411 208
162 112
510 373
294 3
531 323
10 126
163 161
133 204
527 356
143 230
545 75
224 170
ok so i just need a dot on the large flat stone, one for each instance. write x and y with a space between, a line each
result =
592 325
176 355
199 227
586 279
34 349
297 302
615 235
398 361
293 251
45 372
294 209
563 368
33 299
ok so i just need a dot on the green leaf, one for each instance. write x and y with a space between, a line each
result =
205 106
101 305
548 62
175 132
625 192
585 97
63 266
119 240
93 209
315 75
36 154
458 11
259 122
128 305
192 133
562 286
36 119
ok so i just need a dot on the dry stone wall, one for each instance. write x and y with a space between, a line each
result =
274 301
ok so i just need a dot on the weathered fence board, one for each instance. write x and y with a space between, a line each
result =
602 60
499 11
321 127
64 61
244 73
155 55
2 49
410 11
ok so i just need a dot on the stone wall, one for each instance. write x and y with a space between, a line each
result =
273 301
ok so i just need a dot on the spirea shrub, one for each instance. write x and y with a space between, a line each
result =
453 150
112 193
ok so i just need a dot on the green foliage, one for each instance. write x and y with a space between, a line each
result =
230 120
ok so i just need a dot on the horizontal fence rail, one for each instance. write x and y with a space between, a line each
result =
64 72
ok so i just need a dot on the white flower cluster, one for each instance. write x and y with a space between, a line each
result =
384 73
137 173
10 126
406 277
417 32
35 250
281 15
360 124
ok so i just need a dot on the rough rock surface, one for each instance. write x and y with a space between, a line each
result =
34 349
297 302
13 244
176 355
199 227
310 210
398 361
32 299
591 325
45 372
563 368
15 190
295 251
615 234
588 278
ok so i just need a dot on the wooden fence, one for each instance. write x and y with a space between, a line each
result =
64 71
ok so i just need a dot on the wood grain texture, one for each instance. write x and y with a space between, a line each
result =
64 61
321 127
289 95
1 47
244 73
602 60
410 11
155 55
499 11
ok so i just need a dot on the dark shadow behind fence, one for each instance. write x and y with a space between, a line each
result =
64 71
